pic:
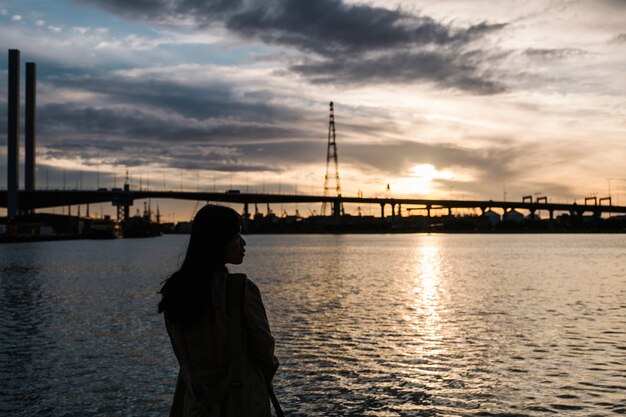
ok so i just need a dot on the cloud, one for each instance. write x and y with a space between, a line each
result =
475 172
447 71
40 22
54 29
161 122
209 101
75 123
353 41
396 157
558 53
81 30
169 12
617 4
620 39
16 18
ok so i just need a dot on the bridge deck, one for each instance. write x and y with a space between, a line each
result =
58 198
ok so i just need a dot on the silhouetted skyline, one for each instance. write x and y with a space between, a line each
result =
462 99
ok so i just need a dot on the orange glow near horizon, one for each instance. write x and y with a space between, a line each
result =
420 180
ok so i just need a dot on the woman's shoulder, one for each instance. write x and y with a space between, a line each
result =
248 283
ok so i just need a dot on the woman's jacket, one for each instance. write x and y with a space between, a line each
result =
202 350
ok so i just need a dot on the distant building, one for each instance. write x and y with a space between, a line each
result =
513 216
183 227
492 217
532 217
46 231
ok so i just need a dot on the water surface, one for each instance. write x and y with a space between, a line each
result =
382 325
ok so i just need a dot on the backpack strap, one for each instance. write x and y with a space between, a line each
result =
235 289
277 407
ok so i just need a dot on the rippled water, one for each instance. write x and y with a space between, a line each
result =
381 325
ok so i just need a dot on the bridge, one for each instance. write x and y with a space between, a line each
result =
124 198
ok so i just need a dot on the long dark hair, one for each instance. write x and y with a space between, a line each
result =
186 293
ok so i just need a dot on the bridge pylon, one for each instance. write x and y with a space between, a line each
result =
331 153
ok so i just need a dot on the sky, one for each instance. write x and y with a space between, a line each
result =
463 99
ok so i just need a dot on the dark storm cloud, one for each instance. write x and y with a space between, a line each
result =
370 39
197 101
227 165
121 120
153 110
112 150
457 72
288 153
330 27
137 125
144 121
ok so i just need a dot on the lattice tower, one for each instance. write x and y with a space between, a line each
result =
331 153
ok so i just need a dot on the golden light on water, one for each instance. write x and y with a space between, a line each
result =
427 290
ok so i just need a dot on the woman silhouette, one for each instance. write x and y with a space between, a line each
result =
226 368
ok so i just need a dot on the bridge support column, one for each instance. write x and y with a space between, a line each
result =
246 216
532 214
482 210
393 209
449 211
551 214
399 210
428 212
382 210
336 208
122 204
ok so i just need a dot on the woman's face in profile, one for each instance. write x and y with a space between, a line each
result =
234 251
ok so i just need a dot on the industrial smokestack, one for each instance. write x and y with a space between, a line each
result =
30 133
13 139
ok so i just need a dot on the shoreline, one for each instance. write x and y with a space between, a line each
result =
30 239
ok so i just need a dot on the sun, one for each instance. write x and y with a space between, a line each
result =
420 179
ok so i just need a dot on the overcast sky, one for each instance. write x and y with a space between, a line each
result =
461 98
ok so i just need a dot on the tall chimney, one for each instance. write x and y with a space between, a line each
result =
30 133
13 138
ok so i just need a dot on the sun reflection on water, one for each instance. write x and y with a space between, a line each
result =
427 302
